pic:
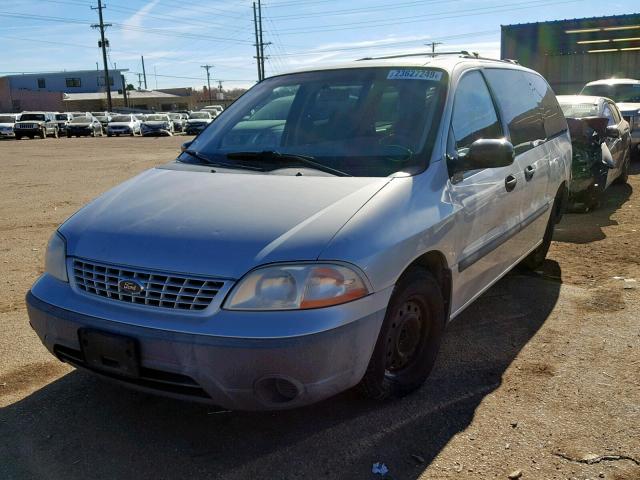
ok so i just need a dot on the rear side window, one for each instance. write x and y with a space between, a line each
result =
553 118
474 116
520 106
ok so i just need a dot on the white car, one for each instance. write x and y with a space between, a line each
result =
123 125
197 122
156 125
626 93
7 121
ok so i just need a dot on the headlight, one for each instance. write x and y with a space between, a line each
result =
55 262
296 287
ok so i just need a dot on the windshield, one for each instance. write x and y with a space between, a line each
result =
32 116
175 116
61 116
7 119
363 122
157 118
200 115
121 118
102 118
81 120
579 110
619 92
97 114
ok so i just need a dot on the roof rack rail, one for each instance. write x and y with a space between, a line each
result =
422 54
462 53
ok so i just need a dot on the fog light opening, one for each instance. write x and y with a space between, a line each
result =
277 390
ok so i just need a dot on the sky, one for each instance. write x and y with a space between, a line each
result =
178 37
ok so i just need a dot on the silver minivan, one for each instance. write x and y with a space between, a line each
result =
286 256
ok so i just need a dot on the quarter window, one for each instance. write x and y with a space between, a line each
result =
521 107
474 115
72 82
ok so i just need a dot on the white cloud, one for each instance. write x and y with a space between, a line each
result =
136 19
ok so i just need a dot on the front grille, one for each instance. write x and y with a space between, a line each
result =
162 290
26 125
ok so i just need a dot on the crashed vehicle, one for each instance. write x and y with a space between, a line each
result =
197 122
275 263
156 125
601 148
626 93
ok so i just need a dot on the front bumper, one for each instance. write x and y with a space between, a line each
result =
230 371
25 132
194 128
79 131
119 131
7 134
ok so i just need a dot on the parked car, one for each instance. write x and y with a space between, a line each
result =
104 120
7 121
84 127
601 148
81 114
197 122
156 125
178 120
322 251
218 109
36 124
123 125
626 93
99 114
62 119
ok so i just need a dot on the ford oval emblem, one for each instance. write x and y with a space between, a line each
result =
130 286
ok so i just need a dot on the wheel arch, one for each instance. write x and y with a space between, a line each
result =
435 262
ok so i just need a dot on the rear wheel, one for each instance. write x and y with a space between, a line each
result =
409 339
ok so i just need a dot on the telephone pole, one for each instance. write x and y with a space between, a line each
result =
261 42
255 25
104 43
139 81
207 68
144 73
433 46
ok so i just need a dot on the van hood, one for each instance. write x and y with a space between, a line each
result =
215 224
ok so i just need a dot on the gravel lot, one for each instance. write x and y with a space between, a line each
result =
539 376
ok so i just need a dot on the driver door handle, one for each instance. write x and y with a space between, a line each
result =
510 183
529 172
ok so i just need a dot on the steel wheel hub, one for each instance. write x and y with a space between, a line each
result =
404 336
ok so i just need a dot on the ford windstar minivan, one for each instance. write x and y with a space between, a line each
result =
316 237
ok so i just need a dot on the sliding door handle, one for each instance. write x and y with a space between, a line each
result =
510 183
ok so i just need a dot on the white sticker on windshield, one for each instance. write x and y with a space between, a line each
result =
408 74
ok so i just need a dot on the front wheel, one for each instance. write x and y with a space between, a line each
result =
43 133
409 339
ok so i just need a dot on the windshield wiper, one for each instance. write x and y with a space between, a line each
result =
209 161
279 157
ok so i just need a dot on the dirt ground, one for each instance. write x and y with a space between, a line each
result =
538 379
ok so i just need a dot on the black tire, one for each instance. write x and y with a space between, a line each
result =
409 339
535 259
108 134
624 174
43 133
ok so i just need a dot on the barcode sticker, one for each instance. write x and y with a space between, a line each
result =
408 74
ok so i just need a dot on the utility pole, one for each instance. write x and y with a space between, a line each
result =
125 97
433 46
207 68
261 42
104 43
144 73
255 25
139 81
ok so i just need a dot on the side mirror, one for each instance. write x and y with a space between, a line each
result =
185 146
486 153
613 131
